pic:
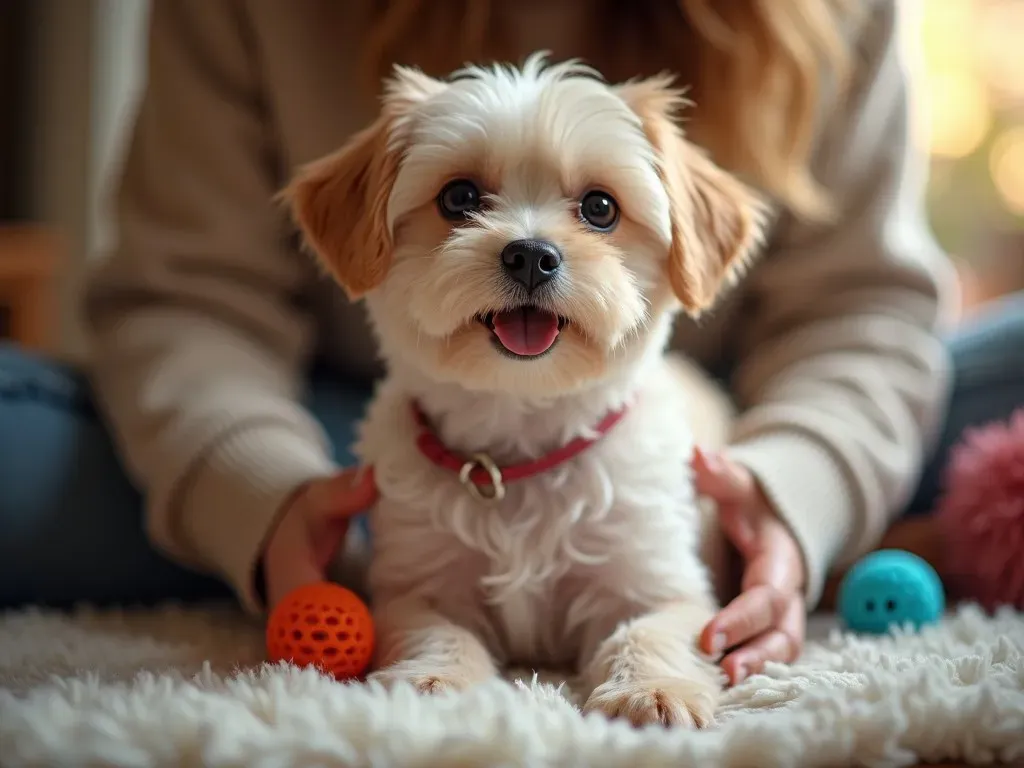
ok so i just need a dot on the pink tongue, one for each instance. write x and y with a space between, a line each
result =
527 331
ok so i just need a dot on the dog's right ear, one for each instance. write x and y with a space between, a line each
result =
339 202
717 221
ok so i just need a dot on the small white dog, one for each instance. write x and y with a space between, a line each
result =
523 239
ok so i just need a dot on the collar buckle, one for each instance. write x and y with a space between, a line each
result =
496 486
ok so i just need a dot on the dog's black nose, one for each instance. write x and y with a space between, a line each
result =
531 263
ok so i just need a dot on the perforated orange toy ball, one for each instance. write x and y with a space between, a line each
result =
322 625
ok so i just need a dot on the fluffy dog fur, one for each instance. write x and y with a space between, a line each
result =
602 562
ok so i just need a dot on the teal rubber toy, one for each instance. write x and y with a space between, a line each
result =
889 588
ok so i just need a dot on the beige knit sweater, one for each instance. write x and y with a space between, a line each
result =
205 316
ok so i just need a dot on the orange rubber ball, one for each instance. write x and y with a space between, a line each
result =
322 625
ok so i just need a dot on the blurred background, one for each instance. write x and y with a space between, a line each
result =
70 71
968 60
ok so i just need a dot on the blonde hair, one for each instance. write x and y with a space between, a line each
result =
758 70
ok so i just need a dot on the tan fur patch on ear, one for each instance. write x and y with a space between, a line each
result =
716 228
717 220
340 201
339 204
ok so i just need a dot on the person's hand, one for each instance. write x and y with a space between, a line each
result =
767 621
311 529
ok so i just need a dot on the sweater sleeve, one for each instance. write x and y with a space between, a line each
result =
197 338
841 375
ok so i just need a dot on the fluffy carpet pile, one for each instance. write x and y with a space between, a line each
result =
186 687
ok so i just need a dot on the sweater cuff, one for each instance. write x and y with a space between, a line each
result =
810 493
232 500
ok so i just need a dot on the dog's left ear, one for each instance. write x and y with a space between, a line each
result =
339 202
716 219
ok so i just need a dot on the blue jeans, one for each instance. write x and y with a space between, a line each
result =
71 527
71 521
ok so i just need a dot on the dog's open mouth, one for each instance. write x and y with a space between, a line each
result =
526 331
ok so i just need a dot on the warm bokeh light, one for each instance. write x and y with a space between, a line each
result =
1000 47
1007 164
960 114
946 25
956 98
967 61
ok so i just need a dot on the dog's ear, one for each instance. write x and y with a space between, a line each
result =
716 219
339 204
340 201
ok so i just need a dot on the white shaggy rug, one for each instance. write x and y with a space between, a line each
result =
185 688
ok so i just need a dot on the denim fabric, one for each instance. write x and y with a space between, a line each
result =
71 522
988 385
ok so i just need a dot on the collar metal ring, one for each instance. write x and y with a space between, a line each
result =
496 487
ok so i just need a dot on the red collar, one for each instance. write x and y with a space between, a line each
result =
485 479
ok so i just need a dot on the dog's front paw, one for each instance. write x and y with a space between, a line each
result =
667 702
424 678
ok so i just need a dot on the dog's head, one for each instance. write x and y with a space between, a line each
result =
524 230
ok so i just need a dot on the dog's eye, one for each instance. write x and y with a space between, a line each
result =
599 210
458 198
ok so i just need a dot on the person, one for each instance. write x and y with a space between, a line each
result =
230 373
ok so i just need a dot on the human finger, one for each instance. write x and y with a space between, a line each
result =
291 561
751 613
341 496
731 488
783 643
720 479
776 561
331 505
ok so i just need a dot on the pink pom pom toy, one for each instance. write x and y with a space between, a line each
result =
981 514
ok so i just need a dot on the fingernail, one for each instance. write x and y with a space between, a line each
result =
740 676
696 457
712 461
718 643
